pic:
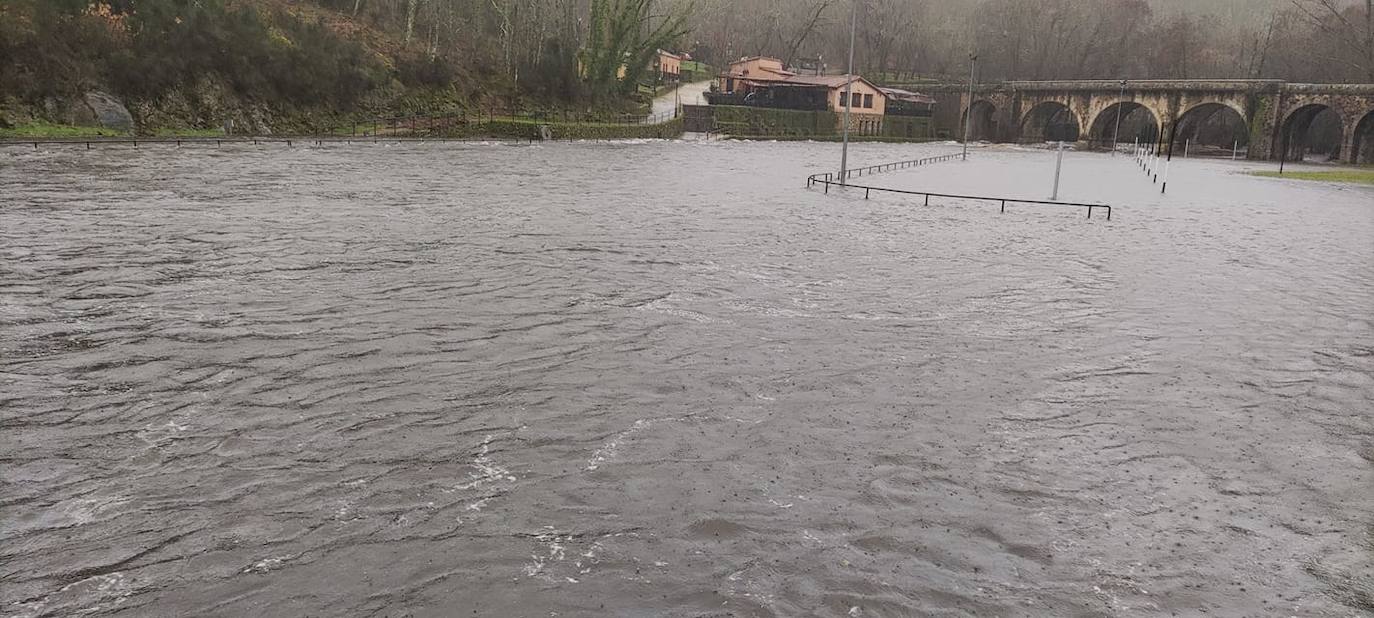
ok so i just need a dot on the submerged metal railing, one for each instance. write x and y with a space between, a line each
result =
828 178
897 165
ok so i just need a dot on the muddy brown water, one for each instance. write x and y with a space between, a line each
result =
664 379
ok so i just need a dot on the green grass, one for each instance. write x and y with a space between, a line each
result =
189 133
1357 176
44 129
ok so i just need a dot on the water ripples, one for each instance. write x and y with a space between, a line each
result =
627 379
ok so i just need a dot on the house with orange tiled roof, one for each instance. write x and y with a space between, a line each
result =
761 81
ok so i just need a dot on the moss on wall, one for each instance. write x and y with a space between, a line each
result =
1263 107
909 127
787 124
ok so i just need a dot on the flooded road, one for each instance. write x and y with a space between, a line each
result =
664 105
664 379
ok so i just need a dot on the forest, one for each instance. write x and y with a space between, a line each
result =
348 56
1299 40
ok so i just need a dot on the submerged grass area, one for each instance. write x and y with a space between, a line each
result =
44 129
1364 176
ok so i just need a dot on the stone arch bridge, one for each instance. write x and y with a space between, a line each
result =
1273 115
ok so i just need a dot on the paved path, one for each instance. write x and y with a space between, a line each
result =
691 94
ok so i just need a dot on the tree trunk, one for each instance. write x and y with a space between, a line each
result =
411 7
1369 39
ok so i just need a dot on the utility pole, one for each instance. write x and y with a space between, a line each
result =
1173 135
1058 167
968 120
848 93
1120 106
1283 149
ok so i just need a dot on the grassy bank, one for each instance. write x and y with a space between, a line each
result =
297 67
49 130
1364 176
497 129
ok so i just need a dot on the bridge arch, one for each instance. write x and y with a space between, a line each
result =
1138 123
1049 121
984 114
1363 149
1314 128
1217 125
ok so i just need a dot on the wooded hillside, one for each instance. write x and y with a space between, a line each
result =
303 64
1297 40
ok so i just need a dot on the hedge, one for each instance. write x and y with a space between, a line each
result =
908 127
734 119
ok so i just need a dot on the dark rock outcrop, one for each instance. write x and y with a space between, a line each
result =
109 112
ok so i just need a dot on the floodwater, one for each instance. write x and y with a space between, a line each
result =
665 379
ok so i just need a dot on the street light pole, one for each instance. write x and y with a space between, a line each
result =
848 93
968 119
1120 106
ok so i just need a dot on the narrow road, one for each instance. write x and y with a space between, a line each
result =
688 94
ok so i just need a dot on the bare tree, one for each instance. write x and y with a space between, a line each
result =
807 28
1355 32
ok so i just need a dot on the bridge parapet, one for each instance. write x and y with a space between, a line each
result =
1276 114
1151 85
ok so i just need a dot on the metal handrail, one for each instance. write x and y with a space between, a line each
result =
828 179
896 165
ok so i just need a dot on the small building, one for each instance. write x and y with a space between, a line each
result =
864 97
906 103
668 66
753 68
760 81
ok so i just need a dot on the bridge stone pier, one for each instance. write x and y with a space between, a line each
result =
1270 115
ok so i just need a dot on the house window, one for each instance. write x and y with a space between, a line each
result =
856 100
868 101
729 84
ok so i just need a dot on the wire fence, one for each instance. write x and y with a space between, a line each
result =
449 123
829 179
431 127
90 143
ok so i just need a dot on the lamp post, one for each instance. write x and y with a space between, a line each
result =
968 120
1120 106
848 94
